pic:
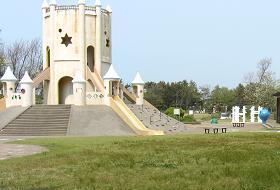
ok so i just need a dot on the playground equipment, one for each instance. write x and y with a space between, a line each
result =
255 113
236 114
264 115
240 117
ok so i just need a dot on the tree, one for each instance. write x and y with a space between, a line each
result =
205 103
240 96
24 56
261 85
222 98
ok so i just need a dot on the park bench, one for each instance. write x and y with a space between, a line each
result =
215 130
240 124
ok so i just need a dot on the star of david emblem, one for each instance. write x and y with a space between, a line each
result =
66 40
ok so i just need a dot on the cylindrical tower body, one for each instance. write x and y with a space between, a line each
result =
74 41
98 38
27 94
27 90
140 95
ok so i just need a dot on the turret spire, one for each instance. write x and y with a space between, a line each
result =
81 2
98 3
53 2
45 4
8 76
109 9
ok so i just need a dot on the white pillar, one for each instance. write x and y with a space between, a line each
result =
107 94
10 85
26 90
237 109
139 84
259 110
99 31
140 95
45 6
82 47
53 86
110 11
233 115
244 114
79 90
252 114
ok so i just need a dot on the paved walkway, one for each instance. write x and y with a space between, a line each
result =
8 151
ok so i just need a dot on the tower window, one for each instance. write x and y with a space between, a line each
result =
90 58
48 56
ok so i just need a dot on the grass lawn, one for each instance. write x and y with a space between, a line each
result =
230 162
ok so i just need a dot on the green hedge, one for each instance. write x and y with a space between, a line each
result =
170 112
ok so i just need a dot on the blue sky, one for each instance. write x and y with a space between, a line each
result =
210 42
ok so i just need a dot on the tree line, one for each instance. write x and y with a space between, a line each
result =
257 89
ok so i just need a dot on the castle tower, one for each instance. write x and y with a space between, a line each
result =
27 90
138 89
76 38
9 81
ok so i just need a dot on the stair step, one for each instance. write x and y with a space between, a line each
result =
40 120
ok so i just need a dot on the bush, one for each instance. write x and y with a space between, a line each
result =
170 112
1 96
189 119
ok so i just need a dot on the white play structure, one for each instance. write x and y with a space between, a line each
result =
240 117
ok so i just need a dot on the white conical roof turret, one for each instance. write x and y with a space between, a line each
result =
109 9
45 4
81 2
78 78
112 74
26 78
8 75
53 2
98 3
138 79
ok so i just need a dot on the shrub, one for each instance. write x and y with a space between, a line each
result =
170 112
189 119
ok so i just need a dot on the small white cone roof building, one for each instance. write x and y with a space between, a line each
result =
112 74
81 2
8 76
98 3
138 80
26 79
53 2
109 9
45 4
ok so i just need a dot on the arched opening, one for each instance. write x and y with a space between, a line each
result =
65 87
90 58
48 57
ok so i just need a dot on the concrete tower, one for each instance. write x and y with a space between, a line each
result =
9 81
26 84
76 39
138 89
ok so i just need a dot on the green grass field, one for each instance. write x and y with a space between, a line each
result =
230 162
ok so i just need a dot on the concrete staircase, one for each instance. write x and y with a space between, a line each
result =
40 120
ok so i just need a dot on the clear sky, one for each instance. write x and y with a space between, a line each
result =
210 42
